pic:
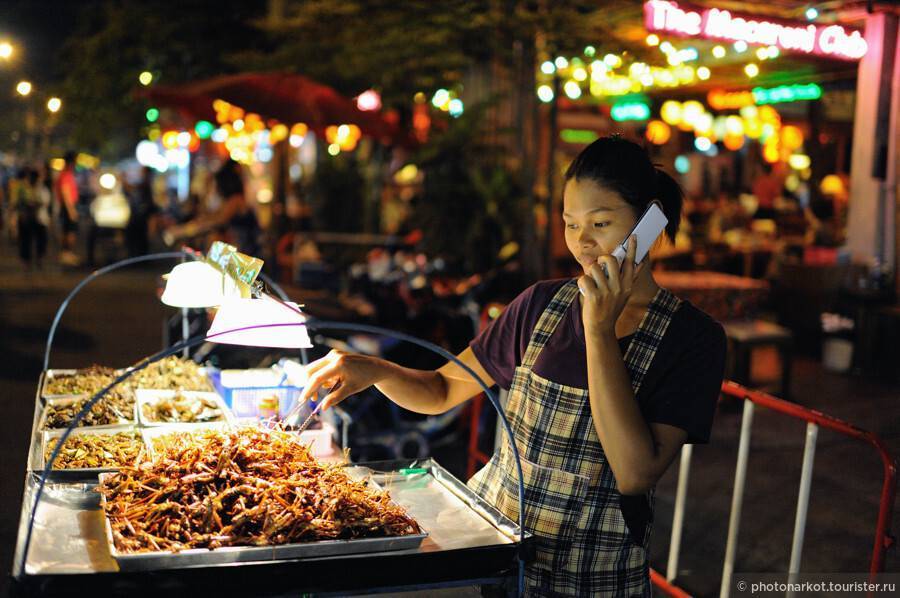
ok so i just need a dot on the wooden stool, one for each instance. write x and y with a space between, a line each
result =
743 337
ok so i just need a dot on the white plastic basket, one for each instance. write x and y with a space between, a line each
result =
242 390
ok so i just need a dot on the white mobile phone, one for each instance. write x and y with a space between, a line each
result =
648 228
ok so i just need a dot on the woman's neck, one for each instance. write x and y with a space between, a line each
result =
644 288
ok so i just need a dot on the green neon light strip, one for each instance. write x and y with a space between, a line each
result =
787 93
578 135
630 111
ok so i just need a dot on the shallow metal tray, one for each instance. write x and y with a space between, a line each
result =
70 537
145 395
245 554
49 375
84 473
152 433
74 399
203 371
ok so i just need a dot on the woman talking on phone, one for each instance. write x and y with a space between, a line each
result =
608 376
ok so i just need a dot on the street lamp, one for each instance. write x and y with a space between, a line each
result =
6 50
23 88
54 104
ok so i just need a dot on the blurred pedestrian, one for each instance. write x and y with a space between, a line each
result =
87 181
235 217
823 227
140 200
31 203
767 188
729 215
17 181
45 174
66 195
5 209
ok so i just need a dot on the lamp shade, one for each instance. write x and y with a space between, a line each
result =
256 317
197 284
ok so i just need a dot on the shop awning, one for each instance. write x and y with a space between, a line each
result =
287 97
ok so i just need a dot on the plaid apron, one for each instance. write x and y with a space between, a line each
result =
571 498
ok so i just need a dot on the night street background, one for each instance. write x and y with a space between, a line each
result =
117 319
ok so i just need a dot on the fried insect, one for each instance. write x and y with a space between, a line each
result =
180 408
248 487
86 381
96 450
115 409
171 373
160 443
116 406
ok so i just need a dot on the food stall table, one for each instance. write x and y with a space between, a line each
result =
468 542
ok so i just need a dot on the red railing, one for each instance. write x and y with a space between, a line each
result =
662 584
883 539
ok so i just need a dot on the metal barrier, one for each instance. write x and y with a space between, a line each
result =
662 584
815 420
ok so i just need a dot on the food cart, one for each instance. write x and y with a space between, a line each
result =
65 544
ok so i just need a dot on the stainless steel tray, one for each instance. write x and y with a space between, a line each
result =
84 473
74 399
152 433
245 554
203 371
70 536
49 375
144 395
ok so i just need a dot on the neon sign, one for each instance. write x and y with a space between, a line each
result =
834 41
786 93
630 111
730 100
578 136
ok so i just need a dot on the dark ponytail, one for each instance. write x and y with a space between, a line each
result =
625 167
670 195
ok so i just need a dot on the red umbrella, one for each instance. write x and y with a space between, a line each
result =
192 107
289 98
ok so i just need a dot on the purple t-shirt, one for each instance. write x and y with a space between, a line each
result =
681 387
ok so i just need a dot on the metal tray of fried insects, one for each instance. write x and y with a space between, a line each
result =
77 402
48 376
193 557
50 437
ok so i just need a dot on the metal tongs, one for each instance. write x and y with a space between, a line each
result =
295 410
308 420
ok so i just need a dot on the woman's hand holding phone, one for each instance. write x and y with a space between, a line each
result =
604 295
